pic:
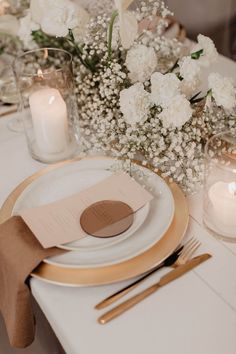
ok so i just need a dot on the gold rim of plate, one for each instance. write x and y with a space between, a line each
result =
117 272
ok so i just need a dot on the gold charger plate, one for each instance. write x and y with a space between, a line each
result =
117 272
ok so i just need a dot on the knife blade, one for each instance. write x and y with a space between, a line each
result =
166 279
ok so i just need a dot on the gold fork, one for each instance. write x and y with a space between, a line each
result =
187 251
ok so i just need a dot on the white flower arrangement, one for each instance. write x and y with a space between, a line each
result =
138 91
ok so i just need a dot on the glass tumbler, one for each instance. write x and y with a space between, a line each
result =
220 185
48 107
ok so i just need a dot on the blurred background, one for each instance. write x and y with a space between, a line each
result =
214 18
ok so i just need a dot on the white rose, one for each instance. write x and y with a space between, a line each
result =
223 90
25 31
56 17
164 87
9 24
177 113
128 24
209 54
4 5
135 104
141 61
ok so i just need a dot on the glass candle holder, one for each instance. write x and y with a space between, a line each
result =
220 185
48 107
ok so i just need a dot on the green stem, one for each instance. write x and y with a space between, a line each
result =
113 17
176 65
79 51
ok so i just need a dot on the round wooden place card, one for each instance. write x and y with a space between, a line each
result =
107 218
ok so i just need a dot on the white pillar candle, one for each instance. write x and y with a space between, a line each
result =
223 198
50 120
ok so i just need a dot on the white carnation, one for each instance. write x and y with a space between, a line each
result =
135 104
209 54
189 89
164 87
141 61
25 31
56 17
223 90
189 69
177 113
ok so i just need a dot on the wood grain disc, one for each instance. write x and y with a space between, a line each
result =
107 218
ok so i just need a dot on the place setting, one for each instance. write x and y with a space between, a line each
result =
126 125
104 227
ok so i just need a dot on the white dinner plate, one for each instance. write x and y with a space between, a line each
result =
150 223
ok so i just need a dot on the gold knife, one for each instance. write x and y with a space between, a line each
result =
166 279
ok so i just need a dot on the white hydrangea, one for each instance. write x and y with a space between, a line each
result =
209 54
223 90
135 104
177 113
141 61
25 31
56 17
164 87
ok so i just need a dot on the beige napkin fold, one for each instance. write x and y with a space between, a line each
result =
20 253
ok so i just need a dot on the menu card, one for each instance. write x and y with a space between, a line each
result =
59 222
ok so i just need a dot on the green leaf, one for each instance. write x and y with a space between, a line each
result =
209 92
179 77
192 99
196 55
175 66
110 32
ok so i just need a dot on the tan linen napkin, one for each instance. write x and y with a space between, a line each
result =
20 253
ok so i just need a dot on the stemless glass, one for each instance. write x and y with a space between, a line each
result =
8 93
48 105
220 185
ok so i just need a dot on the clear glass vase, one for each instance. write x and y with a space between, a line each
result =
48 105
9 96
220 185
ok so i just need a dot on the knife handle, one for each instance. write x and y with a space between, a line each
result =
126 305
120 293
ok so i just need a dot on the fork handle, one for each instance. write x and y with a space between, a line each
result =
118 310
120 293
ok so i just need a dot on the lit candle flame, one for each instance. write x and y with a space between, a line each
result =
40 73
232 188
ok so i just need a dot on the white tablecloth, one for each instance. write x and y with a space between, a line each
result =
196 314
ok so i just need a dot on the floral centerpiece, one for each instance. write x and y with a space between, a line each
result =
139 91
